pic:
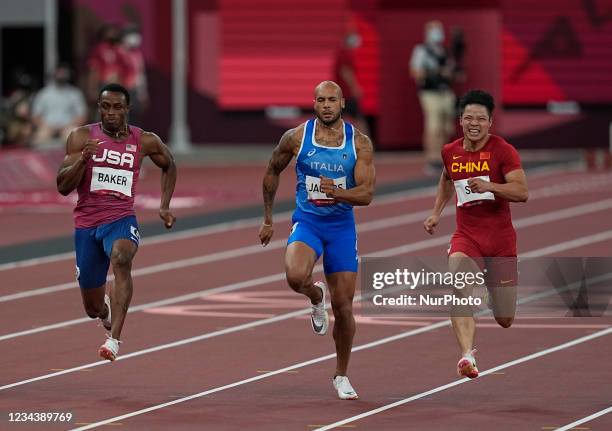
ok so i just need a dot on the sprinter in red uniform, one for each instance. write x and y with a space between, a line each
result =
102 162
485 173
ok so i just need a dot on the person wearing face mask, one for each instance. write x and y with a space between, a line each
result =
57 109
136 79
345 76
107 62
433 71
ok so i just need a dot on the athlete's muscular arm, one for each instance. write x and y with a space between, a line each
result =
514 190
159 153
281 156
365 176
79 149
445 192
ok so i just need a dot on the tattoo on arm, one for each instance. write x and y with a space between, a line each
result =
281 157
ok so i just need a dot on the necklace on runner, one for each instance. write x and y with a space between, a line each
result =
338 140
329 127
114 135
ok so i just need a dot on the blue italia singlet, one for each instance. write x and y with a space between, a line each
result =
314 161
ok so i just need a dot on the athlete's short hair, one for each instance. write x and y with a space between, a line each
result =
115 88
477 97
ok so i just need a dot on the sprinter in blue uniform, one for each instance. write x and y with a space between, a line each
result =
335 171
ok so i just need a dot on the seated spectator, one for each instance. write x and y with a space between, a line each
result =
58 108
16 115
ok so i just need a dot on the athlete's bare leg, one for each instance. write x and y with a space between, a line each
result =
299 262
504 305
122 255
93 302
502 289
462 317
342 289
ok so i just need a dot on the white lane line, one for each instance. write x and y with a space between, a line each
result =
363 227
571 244
588 183
161 303
153 269
518 361
585 420
178 343
289 315
523 222
155 239
224 331
391 198
240 383
548 191
520 223
362 347
222 255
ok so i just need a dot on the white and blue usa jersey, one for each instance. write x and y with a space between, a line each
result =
314 160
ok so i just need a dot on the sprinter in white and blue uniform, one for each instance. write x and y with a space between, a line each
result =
318 220
335 171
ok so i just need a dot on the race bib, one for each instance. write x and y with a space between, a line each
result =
313 188
465 195
110 179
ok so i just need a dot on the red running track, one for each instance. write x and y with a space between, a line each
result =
251 327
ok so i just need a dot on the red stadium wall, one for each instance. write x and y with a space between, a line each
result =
363 18
557 53
271 54
247 55
204 48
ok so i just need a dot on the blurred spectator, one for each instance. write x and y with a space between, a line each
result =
457 52
16 115
433 71
57 109
458 49
106 62
346 77
136 79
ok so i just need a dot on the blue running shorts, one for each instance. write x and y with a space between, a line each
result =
334 237
93 246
